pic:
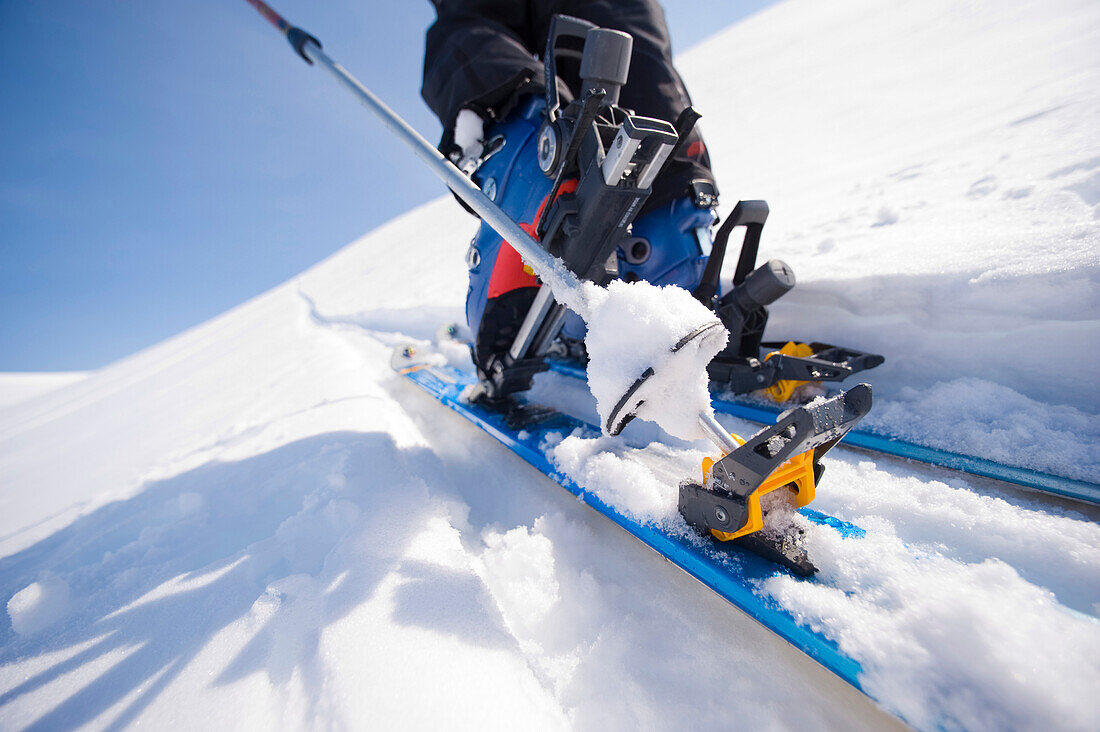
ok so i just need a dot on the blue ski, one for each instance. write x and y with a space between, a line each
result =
730 572
1058 485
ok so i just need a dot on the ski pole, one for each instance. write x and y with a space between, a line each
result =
550 269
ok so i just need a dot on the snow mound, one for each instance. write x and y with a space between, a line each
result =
39 605
977 417
518 568
635 326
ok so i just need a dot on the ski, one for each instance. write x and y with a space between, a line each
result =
727 568
1058 485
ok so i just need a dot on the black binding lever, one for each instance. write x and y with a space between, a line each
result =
750 214
828 363
561 26
741 366
590 107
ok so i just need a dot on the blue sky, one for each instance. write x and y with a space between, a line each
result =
161 162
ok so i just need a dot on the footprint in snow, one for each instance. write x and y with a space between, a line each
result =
982 187
1088 190
886 216
1014 193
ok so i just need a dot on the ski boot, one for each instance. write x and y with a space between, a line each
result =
501 288
575 177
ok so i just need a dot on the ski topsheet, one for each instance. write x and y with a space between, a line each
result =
1080 490
728 571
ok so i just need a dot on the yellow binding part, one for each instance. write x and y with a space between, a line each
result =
781 391
797 473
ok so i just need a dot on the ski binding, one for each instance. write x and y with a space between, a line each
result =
727 504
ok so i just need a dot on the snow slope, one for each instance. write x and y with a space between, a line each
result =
17 387
255 524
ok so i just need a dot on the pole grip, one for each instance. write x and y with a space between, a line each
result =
298 39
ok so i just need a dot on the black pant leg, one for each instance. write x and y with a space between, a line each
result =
654 87
478 54
482 54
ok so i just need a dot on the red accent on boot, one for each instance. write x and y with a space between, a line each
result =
509 271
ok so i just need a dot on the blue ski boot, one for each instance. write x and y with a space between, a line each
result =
668 244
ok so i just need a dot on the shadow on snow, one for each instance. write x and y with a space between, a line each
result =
154 578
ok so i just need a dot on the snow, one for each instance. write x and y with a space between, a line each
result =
38 605
978 417
469 133
955 632
17 387
620 480
518 568
634 328
255 524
